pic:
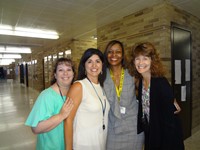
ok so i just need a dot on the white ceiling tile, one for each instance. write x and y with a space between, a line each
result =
74 18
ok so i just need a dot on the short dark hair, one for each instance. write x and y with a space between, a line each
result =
109 45
86 55
66 61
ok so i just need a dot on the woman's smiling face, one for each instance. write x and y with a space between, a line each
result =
64 74
93 66
115 55
143 64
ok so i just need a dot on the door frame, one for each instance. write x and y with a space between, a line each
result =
175 25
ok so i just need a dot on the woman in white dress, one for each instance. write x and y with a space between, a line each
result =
86 127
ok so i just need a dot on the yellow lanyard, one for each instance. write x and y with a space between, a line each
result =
118 90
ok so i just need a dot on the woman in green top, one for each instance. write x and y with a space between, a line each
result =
52 107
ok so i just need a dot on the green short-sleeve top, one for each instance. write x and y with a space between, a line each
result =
47 105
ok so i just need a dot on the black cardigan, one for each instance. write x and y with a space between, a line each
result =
165 132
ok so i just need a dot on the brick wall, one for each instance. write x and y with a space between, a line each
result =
153 24
36 77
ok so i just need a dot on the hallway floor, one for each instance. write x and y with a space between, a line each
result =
16 102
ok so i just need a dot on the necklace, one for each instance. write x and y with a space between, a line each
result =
60 92
103 107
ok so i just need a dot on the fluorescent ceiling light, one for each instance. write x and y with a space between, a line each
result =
28 32
5 27
5 62
13 56
11 49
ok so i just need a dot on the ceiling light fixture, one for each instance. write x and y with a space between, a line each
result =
5 62
28 32
10 56
12 49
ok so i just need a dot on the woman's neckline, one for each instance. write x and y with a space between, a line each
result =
95 84
117 69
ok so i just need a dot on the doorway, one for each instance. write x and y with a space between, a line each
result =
22 73
182 74
1 73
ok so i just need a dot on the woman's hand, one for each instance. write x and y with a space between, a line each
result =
178 108
66 108
52 122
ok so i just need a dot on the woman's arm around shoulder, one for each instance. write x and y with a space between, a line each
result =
75 93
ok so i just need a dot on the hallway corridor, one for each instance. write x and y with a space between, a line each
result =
16 102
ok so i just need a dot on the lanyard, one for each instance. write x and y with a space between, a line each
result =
118 90
103 108
60 92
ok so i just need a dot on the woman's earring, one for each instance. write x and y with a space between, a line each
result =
101 72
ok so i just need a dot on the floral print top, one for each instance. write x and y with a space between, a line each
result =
146 102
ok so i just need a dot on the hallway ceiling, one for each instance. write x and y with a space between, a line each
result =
73 19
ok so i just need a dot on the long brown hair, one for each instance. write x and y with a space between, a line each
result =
147 49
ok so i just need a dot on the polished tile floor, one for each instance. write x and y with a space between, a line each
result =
16 102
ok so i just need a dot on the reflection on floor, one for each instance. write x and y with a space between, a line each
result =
16 102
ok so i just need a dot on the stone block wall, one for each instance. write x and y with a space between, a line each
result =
154 25
151 24
36 72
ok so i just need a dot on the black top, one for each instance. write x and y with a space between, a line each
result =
164 131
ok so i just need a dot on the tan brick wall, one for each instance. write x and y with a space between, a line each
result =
153 25
36 79
79 47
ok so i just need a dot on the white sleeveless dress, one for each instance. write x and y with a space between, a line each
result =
88 122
